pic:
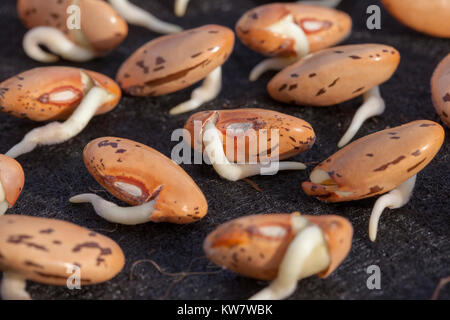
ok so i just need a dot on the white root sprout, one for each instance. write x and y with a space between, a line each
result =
57 132
180 7
115 214
137 16
13 287
57 43
208 91
4 205
373 106
306 255
288 28
395 199
212 140
277 63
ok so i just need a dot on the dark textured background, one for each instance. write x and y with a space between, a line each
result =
412 249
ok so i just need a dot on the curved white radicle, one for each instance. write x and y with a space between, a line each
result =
137 16
57 132
212 140
306 255
4 205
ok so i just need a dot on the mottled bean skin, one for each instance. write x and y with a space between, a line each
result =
379 162
29 94
252 27
116 161
102 29
242 246
295 135
12 178
173 62
334 75
42 249
440 90
427 16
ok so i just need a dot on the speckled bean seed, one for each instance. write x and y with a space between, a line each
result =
138 174
12 180
295 135
264 246
428 16
54 93
383 162
323 27
335 75
440 89
101 28
171 63
338 74
43 250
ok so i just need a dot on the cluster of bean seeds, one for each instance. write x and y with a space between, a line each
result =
300 40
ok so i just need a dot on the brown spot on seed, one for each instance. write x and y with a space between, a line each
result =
358 90
142 65
164 80
159 60
394 162
284 86
416 165
374 190
320 92
106 143
333 83
94 245
46 231
24 239
425 125
244 31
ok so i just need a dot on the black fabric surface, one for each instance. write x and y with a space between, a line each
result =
412 248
